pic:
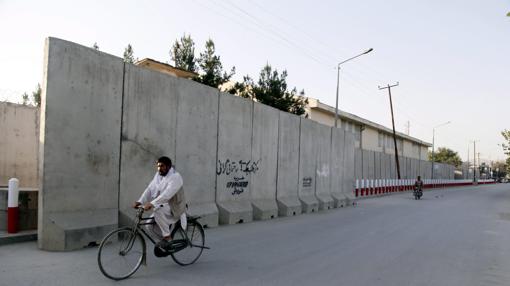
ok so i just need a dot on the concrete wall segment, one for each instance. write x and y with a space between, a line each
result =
197 138
234 165
348 176
323 167
288 164
337 167
19 144
148 131
308 165
85 166
264 153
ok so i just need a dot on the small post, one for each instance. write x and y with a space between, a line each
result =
12 206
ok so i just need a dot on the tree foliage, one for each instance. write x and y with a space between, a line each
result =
506 147
211 69
36 95
183 54
447 156
25 98
271 89
129 54
34 99
95 46
500 168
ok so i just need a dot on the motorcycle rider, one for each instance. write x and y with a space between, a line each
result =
418 186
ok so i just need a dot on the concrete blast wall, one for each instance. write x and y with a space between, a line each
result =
19 144
79 151
308 165
234 166
288 165
323 168
264 158
104 123
338 167
376 165
348 184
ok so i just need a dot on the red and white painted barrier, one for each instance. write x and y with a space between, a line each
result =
12 206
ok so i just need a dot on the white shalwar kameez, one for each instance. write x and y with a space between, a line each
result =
159 191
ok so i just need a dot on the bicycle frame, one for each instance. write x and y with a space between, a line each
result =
141 221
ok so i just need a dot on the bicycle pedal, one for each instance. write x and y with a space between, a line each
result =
178 244
158 252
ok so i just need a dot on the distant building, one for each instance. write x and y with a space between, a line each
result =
369 135
165 68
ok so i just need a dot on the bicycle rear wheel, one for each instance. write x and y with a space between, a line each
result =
121 253
192 252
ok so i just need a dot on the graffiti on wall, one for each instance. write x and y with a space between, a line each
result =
228 167
239 170
307 182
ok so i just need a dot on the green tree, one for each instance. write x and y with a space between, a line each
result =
36 95
129 54
25 99
183 54
506 148
499 168
211 69
95 46
447 156
271 89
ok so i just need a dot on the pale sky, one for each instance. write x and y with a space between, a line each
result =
451 57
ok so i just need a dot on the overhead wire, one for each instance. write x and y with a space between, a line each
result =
282 38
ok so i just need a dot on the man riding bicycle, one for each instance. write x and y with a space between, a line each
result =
165 196
418 186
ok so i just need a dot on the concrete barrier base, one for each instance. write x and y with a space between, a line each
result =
288 206
208 213
264 209
235 212
339 200
64 231
309 204
325 202
351 200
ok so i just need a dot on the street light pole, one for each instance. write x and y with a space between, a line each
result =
338 81
433 155
474 160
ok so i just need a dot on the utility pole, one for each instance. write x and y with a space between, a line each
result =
393 123
474 161
479 164
467 175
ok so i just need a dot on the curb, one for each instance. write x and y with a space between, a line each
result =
22 236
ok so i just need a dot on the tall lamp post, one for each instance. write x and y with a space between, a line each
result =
433 135
338 81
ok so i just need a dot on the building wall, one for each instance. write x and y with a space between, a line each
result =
19 143
371 138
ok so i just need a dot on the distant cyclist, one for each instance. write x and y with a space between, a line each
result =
418 188
165 195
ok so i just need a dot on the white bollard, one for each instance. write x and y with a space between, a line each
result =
12 206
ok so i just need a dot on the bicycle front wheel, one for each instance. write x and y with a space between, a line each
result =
121 253
192 252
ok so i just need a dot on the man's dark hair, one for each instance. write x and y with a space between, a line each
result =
165 160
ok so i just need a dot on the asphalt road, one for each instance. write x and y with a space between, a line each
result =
458 236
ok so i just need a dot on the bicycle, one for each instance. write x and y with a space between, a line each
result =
123 250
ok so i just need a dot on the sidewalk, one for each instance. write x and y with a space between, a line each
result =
26 235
